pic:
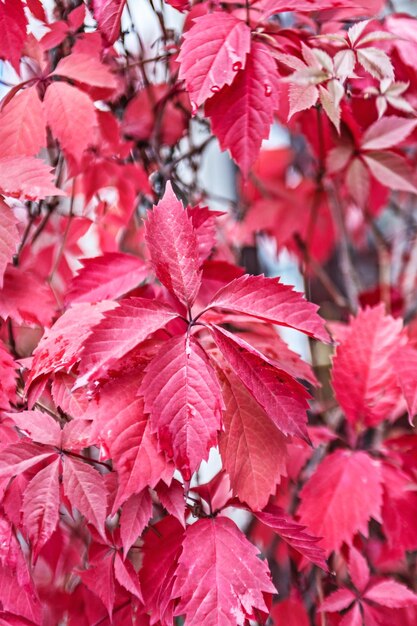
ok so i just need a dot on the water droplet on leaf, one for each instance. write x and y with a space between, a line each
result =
268 90
215 88
237 66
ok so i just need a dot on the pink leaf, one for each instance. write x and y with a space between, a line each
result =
8 378
212 548
40 426
9 237
294 534
388 132
183 398
241 114
391 170
18 458
41 505
26 178
108 14
358 569
332 502
253 450
404 366
87 69
363 375
99 578
85 489
22 125
391 594
135 515
337 601
18 301
214 49
107 277
73 403
271 301
126 576
119 332
283 399
173 247
69 112
122 427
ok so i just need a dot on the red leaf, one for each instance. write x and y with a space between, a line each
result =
41 505
108 14
290 612
391 170
40 426
363 375
26 178
358 569
173 247
107 277
283 399
214 49
73 403
8 378
126 576
18 458
241 114
9 237
399 509
404 366
161 549
22 125
122 427
172 499
391 594
135 515
183 398
253 450
212 548
87 69
119 332
99 578
388 132
332 501
85 489
69 112
294 534
17 299
60 347
13 28
204 223
271 301
337 601
20 600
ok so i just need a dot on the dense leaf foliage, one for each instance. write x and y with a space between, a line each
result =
167 457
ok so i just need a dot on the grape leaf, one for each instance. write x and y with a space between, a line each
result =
22 125
108 14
